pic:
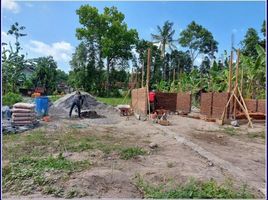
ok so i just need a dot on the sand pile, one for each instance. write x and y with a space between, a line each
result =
63 105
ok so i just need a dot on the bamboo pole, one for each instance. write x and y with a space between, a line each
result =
148 80
241 83
236 80
230 72
247 115
142 74
227 104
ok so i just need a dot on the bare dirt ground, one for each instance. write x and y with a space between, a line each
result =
171 162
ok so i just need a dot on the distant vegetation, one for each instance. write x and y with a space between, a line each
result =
108 48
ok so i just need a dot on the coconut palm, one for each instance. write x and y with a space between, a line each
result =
165 39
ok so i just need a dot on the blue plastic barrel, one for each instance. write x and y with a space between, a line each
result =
41 106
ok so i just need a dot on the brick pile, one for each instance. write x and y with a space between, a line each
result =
184 102
139 100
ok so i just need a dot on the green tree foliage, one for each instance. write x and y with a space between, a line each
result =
249 43
254 76
13 62
108 31
45 74
198 40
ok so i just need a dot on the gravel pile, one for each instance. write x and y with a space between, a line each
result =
61 107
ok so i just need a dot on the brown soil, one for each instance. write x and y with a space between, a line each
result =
171 161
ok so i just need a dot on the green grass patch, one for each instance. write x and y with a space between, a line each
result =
114 101
27 175
257 135
130 152
193 189
229 130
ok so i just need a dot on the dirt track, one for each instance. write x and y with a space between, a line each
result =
113 177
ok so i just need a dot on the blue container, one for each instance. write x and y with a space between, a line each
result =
41 106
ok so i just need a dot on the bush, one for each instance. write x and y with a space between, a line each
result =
11 98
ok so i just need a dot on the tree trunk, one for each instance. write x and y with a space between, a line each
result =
108 76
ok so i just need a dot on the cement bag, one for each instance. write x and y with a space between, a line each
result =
20 110
24 122
22 119
29 114
24 106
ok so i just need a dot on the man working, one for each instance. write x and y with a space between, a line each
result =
78 102
152 101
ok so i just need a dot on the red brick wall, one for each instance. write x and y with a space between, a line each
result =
184 102
220 100
167 101
251 105
206 104
261 106
139 100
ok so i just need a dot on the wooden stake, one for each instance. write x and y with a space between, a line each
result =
230 72
142 74
236 80
247 115
244 104
148 80
226 106
242 81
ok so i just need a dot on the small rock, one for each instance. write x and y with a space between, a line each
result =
153 145
109 158
210 164
220 136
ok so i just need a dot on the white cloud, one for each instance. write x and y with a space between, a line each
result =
61 51
6 38
10 5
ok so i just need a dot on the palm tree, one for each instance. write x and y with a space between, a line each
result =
165 39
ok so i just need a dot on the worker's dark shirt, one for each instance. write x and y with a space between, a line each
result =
77 99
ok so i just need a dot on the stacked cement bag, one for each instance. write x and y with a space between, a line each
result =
23 114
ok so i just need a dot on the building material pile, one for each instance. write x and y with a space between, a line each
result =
23 114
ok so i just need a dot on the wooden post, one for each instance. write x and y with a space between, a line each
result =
242 76
236 80
136 78
148 79
230 72
174 74
142 74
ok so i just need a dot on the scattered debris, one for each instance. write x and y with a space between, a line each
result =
235 123
153 145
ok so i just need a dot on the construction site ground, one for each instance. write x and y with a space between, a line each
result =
187 148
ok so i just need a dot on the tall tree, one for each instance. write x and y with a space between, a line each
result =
263 30
198 40
45 74
165 39
249 43
110 33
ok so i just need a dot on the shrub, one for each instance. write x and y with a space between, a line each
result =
11 98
